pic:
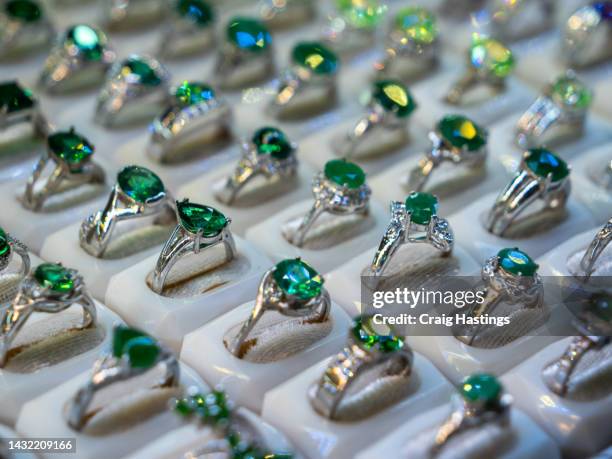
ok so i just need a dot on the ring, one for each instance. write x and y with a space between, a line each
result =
125 13
385 122
341 190
560 113
133 354
489 63
24 26
595 249
593 324
291 288
542 175
309 85
413 221
199 228
71 154
80 58
269 154
512 277
194 117
9 246
51 288
512 21
365 351
457 140
603 177
587 34
479 400
190 29
353 28
17 106
247 56
135 88
137 193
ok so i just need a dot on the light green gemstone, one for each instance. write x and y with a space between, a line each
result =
362 14
491 55
572 92
482 388
297 278
54 277
417 25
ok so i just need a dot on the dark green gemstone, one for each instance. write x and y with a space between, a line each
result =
315 57
601 306
362 330
462 132
394 97
184 407
422 206
121 336
344 173
89 41
5 247
140 183
14 98
145 73
140 349
516 262
193 93
70 146
483 388
23 10
273 142
297 278
543 162
197 218
54 277
249 34
197 11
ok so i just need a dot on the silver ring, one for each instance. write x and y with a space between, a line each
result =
137 193
79 59
269 154
587 35
135 89
413 221
199 228
542 176
17 106
190 30
456 140
24 26
127 13
133 354
603 176
71 154
50 288
195 116
291 288
10 246
340 189
365 351
595 249
512 21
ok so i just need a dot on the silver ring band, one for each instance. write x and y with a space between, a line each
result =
595 249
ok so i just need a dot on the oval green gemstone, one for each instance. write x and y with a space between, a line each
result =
462 132
422 206
368 337
193 93
344 173
572 92
198 218
417 24
361 14
543 162
297 278
249 34
54 277
142 352
394 97
482 387
89 41
516 262
145 73
121 335
139 183
5 247
23 10
601 306
70 146
315 57
14 98
273 142
196 11
492 56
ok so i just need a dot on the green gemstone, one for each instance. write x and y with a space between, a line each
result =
417 24
543 163
368 337
516 262
89 41
193 93
482 388
491 55
23 10
54 277
361 14
273 142
140 349
184 407
422 206
249 34
196 11
394 97
5 247
601 306
14 98
297 278
462 132
344 173
197 218
145 73
140 183
70 146
121 336
572 92
315 57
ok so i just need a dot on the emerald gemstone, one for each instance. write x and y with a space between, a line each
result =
54 277
196 11
197 218
422 206
483 388
183 407
367 336
212 408
249 34
23 10
297 278
70 146
462 132
394 97
273 142
5 247
193 93
14 98
140 349
491 55
417 24
572 92
601 306
315 57
344 173
361 14
543 163
140 183
89 41
516 262
121 335
141 69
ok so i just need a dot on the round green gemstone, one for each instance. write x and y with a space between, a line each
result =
54 277
491 55
297 278
361 14
193 93
344 173
14 98
572 92
516 262
5 247
145 73
368 337
273 142
197 218
70 146
543 163
422 206
89 41
197 11
315 57
121 336
462 132
23 10
140 183
142 352
394 97
601 306
417 24
249 34
482 388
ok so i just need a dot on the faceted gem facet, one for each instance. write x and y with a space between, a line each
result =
14 98
394 97
212 408
368 337
70 146
572 92
193 93
198 218
361 14
89 41
462 132
492 56
273 142
23 10
5 248
143 71
54 277
197 11
139 183
297 278
481 387
543 162
422 206
516 262
141 350
344 173
417 24
315 57
249 34
604 9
